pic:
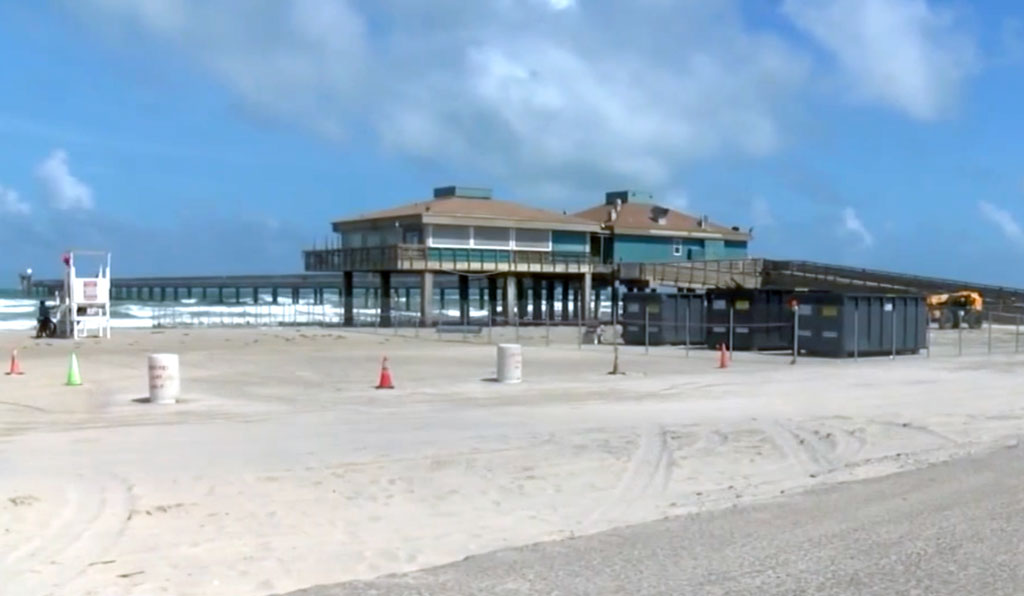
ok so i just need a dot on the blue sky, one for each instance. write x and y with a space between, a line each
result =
221 136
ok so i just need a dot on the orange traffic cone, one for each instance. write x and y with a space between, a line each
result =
385 376
15 367
723 357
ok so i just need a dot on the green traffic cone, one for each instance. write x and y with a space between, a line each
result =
74 376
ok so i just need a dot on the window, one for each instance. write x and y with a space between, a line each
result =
677 247
450 236
492 237
533 239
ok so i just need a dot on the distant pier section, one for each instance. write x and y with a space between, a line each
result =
311 287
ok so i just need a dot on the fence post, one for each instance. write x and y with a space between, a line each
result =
796 333
893 356
687 329
647 331
927 341
731 310
856 330
990 332
579 320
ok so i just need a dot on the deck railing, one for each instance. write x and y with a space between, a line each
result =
405 257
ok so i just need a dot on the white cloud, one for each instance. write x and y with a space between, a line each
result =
63 190
537 91
11 203
761 212
853 225
907 54
1003 220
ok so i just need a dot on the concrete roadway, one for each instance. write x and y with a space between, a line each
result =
955 528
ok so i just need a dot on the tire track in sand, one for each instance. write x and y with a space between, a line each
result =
649 469
815 452
90 523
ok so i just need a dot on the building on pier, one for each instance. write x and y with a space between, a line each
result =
530 259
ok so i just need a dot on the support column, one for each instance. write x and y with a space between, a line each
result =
427 299
549 298
510 299
255 295
522 313
295 294
163 294
238 295
584 299
408 300
204 293
537 287
174 292
482 295
565 299
443 301
273 295
348 318
492 297
385 298
616 315
220 295
463 300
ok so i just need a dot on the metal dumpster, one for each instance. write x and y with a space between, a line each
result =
673 319
841 325
761 319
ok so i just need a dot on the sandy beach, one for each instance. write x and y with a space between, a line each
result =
282 467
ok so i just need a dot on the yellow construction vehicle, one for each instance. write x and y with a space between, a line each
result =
952 310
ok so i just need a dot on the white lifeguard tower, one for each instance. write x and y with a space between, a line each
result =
85 301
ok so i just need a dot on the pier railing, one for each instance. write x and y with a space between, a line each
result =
696 274
405 257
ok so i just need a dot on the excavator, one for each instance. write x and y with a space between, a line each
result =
955 309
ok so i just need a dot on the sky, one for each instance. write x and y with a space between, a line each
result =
222 136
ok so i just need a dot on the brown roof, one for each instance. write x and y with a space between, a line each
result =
641 216
477 208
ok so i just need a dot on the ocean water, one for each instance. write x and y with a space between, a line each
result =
18 312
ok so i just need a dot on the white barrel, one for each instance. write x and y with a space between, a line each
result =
164 378
510 363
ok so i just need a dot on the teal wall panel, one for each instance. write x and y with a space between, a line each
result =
570 241
652 249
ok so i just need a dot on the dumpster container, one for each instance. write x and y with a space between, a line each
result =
668 314
841 325
657 311
762 319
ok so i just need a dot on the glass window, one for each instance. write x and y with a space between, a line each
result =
533 239
492 237
677 247
450 235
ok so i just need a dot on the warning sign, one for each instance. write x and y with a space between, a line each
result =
90 293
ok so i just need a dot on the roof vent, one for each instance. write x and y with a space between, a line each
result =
659 215
703 222
462 192
626 196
